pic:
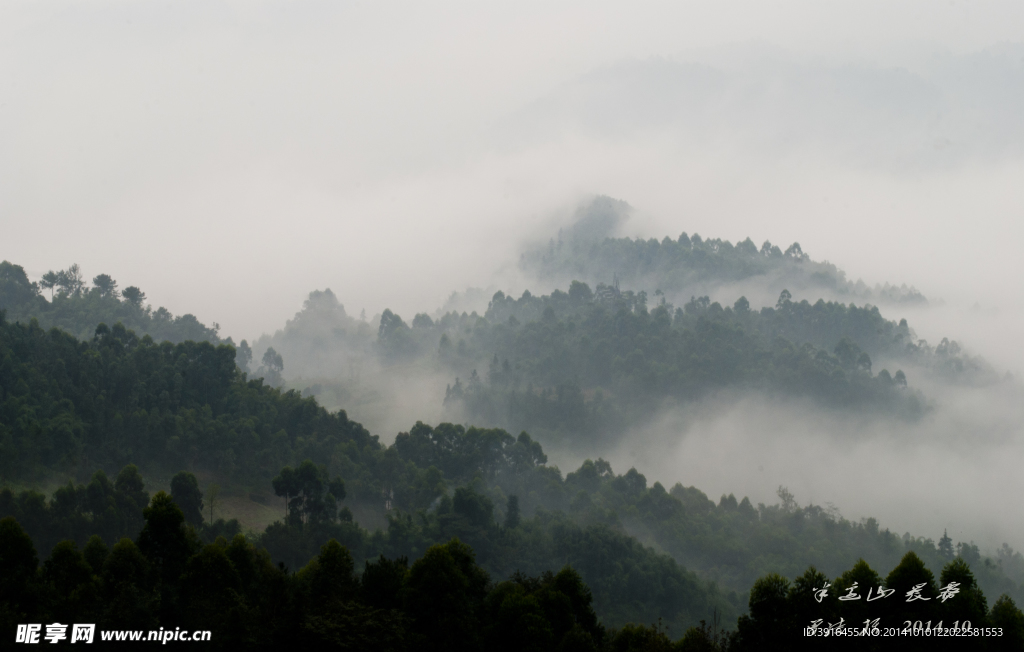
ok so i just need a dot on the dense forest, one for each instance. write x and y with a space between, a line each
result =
913 610
589 250
605 363
444 599
78 308
582 365
578 363
79 410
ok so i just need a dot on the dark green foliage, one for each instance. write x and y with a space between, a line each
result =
769 625
68 578
637 638
444 602
382 581
164 540
209 589
629 582
187 496
460 453
969 602
577 369
233 589
19 597
330 576
1006 615
167 544
445 596
294 543
856 581
96 552
912 575
541 613
780 612
130 599
310 495
445 590
334 614
79 406
78 310
209 532
100 509
704 638
130 489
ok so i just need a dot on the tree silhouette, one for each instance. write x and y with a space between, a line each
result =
134 296
106 285
186 495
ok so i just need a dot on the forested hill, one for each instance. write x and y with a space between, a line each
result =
78 309
589 250
71 408
76 406
605 366
68 408
584 363
854 334
581 364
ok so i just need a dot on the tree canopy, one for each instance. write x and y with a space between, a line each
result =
77 308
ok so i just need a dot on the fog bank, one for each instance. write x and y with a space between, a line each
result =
955 470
